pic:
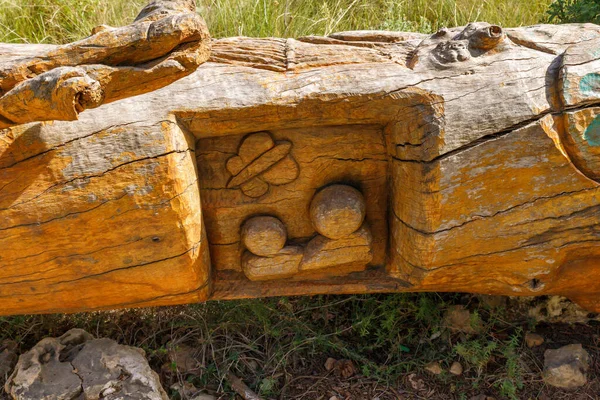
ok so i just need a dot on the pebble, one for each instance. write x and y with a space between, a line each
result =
456 368
533 340
434 367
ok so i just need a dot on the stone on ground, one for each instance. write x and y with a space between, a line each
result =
566 367
76 366
456 368
533 340
434 367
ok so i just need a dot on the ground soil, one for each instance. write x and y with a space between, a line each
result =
280 347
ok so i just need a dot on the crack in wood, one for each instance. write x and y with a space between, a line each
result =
89 177
478 217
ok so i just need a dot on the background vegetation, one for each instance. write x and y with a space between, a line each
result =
61 21
575 11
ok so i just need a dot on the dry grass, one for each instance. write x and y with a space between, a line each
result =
61 21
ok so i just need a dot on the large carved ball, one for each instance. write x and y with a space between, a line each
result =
264 235
337 211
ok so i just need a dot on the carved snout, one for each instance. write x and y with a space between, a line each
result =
60 94
486 38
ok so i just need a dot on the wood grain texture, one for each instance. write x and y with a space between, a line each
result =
476 151
478 197
553 39
78 223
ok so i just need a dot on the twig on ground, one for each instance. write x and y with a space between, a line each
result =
240 387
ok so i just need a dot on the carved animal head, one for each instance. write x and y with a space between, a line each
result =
482 36
446 47
451 51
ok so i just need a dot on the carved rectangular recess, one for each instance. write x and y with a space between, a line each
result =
296 163
323 143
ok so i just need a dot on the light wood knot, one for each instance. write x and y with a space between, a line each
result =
337 211
264 235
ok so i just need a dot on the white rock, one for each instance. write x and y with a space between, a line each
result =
77 366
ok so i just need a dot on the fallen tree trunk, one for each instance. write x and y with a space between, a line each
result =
359 162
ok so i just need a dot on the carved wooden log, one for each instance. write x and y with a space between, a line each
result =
360 162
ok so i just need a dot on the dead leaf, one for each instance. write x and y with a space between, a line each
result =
458 319
330 363
417 384
182 357
342 368
346 368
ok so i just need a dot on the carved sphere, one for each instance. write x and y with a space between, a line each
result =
337 211
264 236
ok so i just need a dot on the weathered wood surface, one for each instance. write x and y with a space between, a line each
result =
474 151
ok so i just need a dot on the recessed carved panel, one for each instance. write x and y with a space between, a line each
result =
322 212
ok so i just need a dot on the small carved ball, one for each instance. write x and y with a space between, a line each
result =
264 236
337 211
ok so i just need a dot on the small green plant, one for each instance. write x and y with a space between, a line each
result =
268 387
480 352
567 11
477 352
513 382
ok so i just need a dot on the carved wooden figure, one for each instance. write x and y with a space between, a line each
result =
467 160
342 241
